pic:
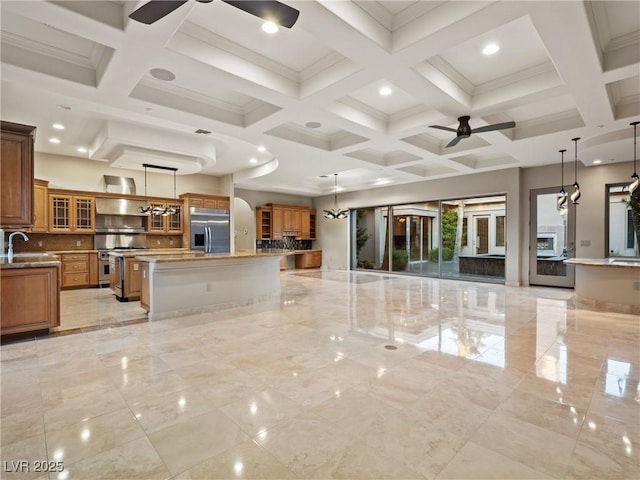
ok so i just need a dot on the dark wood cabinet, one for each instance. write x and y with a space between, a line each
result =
16 175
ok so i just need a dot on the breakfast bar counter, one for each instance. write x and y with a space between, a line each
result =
608 283
194 282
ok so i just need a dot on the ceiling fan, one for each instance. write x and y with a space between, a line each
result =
465 131
269 10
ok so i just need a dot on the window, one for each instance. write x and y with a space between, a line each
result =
500 231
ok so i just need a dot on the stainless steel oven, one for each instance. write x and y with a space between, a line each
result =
103 268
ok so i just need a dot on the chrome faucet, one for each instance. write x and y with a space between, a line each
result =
24 237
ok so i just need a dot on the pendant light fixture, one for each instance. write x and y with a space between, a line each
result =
562 194
635 179
575 196
335 213
157 210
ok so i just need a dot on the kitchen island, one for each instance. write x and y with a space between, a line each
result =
195 282
608 283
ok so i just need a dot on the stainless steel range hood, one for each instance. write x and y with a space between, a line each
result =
126 185
118 206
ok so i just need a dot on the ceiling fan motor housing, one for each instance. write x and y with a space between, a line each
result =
464 130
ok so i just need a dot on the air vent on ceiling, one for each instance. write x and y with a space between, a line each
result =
203 132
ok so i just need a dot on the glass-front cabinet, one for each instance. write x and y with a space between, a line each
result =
71 214
165 224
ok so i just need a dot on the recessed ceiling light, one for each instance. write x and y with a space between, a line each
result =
81 150
313 124
385 91
58 126
253 160
162 74
490 49
262 149
269 27
597 162
54 140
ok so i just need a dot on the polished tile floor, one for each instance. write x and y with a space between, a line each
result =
348 375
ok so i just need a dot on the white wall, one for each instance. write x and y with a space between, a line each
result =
244 225
83 174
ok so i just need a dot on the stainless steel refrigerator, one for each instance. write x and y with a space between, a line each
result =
209 230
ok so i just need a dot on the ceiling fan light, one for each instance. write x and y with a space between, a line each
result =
269 27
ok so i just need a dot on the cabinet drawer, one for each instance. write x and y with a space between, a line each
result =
75 267
75 279
75 257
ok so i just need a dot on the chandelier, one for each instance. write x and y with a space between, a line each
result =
158 210
575 196
335 213
562 194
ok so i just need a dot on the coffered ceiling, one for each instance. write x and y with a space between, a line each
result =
132 93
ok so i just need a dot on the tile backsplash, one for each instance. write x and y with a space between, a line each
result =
288 243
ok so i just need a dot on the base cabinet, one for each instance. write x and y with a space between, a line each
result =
311 259
30 299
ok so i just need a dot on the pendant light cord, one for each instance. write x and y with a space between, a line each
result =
635 172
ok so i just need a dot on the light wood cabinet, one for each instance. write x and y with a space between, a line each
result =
274 222
206 201
263 223
132 278
30 299
40 206
311 259
71 213
169 224
312 225
277 222
76 270
16 175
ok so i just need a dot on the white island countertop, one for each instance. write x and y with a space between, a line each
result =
630 262
193 256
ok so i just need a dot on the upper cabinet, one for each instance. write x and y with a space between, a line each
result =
16 175
205 201
40 206
166 224
274 222
71 213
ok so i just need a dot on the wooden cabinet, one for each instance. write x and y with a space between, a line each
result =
71 213
305 223
16 175
311 259
277 222
263 223
30 299
77 270
206 201
166 224
132 278
312 225
274 222
40 206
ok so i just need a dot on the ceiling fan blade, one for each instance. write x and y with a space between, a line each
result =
277 12
154 10
454 142
444 128
495 126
